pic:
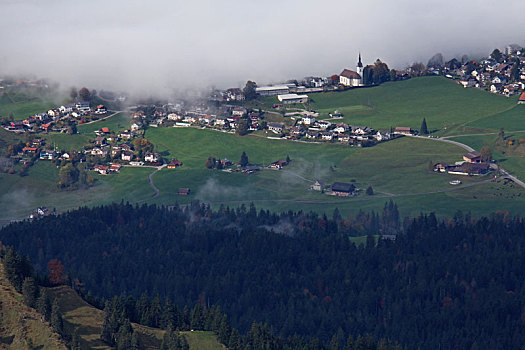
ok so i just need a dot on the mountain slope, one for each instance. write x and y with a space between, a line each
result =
21 327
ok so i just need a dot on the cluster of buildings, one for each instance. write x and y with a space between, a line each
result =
339 189
503 75
57 119
307 127
471 165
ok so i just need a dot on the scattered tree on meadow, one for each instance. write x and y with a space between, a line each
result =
370 191
486 153
244 160
423 130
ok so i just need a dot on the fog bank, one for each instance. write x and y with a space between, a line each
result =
159 46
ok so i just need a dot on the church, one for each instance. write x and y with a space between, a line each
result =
352 78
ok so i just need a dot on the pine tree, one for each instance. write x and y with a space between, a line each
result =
56 318
43 305
423 130
234 342
334 343
30 291
106 334
244 160
370 191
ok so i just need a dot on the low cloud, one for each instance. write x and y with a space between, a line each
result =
161 47
213 190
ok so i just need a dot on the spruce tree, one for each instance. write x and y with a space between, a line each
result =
30 291
423 130
244 160
56 318
43 305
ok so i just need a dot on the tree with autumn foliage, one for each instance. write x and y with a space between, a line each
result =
56 271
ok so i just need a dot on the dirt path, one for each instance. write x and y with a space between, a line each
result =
101 119
152 184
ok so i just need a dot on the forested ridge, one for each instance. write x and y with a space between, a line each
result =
453 283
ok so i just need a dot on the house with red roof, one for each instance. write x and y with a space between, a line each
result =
522 99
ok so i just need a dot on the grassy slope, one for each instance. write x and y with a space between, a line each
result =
118 122
24 106
20 325
510 120
21 195
87 321
398 167
441 101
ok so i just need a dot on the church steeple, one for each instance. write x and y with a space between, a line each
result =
359 68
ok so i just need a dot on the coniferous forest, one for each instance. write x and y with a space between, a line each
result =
453 283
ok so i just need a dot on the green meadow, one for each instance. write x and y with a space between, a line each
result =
23 105
445 105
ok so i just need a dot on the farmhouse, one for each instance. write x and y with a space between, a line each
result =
472 157
239 111
101 169
292 98
441 167
135 125
318 185
469 169
127 156
184 191
403 130
101 109
151 157
342 189
276 127
278 164
174 163
83 106
272 90
522 99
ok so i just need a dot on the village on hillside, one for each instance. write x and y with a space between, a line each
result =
230 111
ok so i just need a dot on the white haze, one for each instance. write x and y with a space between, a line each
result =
157 46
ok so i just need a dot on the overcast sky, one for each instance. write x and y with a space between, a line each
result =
159 45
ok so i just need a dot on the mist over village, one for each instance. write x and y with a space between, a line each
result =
339 175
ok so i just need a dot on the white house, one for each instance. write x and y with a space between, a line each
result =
151 157
174 116
136 125
276 127
308 120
